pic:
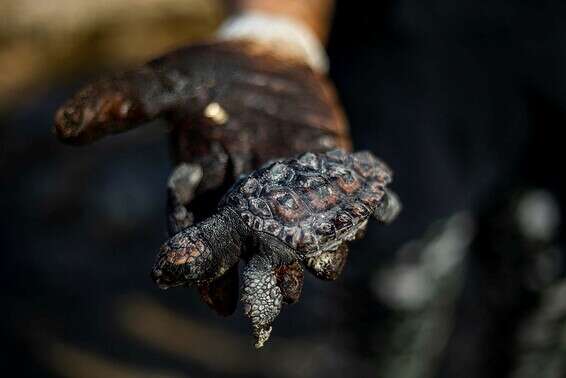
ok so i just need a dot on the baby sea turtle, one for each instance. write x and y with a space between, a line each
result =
301 210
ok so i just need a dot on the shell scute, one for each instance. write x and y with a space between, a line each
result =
345 179
309 160
280 173
324 230
357 210
250 186
257 224
286 204
247 217
342 221
259 207
319 194
365 164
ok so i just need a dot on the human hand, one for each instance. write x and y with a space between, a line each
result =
232 106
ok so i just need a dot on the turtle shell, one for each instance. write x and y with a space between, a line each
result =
313 202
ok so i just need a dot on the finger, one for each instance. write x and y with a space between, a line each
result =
222 294
122 101
290 281
181 188
106 106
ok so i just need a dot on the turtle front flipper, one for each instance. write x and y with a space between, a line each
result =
271 277
266 286
329 264
222 294
261 296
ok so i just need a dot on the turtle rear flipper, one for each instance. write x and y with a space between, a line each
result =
389 208
329 264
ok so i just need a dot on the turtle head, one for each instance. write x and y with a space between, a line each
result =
200 253
184 259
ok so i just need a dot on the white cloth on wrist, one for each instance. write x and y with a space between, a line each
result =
285 33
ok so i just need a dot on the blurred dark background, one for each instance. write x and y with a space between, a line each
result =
465 99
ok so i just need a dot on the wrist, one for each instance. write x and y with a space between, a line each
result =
315 14
284 35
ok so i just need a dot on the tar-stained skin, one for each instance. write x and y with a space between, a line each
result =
231 107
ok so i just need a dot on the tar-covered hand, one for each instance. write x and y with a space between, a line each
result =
232 106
